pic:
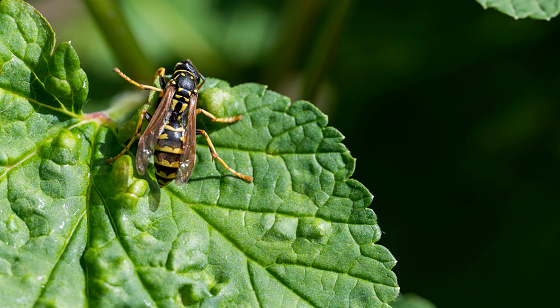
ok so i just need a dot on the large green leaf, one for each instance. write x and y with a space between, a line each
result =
536 9
75 231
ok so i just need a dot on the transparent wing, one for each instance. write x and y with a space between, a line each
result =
149 138
188 157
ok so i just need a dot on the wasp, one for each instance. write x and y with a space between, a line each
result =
171 132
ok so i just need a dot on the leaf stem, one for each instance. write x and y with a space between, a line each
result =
113 26
297 21
324 49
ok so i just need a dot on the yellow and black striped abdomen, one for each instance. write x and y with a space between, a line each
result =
168 150
170 143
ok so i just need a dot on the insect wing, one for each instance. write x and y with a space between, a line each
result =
149 138
188 157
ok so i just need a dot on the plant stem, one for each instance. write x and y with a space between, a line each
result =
110 19
324 49
297 21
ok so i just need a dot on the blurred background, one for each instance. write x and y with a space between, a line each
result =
451 111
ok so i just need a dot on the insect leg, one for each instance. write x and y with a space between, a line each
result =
160 75
136 135
203 81
141 86
215 155
220 120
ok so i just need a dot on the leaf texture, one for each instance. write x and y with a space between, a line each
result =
44 157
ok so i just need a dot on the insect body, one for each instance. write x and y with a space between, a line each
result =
171 133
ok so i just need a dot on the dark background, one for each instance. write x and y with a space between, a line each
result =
451 111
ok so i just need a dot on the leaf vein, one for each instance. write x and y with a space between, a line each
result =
35 74
229 239
33 101
338 272
119 239
60 254
267 148
37 147
9 168
252 283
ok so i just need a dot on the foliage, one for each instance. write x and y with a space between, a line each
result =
536 9
75 231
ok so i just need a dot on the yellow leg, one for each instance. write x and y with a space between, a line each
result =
220 120
136 135
160 72
141 86
160 75
215 155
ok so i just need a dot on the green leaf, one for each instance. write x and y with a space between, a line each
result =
44 156
411 301
536 9
75 231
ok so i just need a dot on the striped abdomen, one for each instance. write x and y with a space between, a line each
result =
169 146
167 154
